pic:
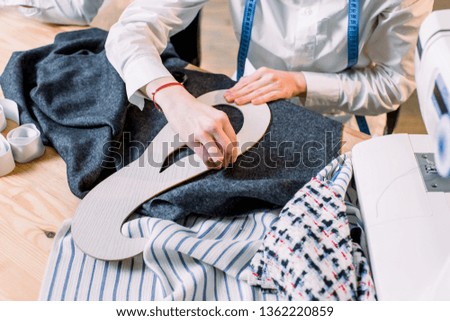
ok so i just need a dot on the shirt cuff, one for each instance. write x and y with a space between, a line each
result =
139 73
323 92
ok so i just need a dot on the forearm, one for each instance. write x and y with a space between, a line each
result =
136 41
368 91
171 100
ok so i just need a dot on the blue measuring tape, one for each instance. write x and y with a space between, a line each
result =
353 50
246 34
353 32
352 35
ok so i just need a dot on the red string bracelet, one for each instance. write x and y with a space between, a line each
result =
169 84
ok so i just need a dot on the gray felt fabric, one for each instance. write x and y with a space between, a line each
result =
76 98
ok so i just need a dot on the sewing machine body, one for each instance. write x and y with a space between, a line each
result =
407 226
404 197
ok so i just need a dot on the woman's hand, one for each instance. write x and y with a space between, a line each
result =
266 85
205 129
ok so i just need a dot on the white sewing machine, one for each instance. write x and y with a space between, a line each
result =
405 202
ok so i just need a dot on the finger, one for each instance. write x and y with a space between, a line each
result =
226 146
268 97
244 81
229 131
200 150
215 155
250 97
251 87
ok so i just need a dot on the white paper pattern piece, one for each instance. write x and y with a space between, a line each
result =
99 217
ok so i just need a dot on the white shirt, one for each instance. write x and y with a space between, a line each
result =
70 12
296 35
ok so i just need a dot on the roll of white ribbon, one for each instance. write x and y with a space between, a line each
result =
26 143
10 110
443 146
22 144
2 119
7 164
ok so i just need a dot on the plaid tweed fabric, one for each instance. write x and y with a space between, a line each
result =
309 254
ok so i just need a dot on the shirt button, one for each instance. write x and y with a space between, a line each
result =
307 12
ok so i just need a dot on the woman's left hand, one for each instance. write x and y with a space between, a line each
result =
266 85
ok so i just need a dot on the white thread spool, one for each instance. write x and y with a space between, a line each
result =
10 111
26 143
3 122
7 164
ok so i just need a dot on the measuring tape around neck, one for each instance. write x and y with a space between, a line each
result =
246 34
352 35
354 11
353 32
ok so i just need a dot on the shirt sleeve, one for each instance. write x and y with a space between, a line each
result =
136 41
389 79
66 12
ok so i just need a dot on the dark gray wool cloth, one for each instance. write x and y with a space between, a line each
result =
78 101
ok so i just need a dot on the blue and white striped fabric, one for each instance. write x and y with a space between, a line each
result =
197 259
201 258
338 174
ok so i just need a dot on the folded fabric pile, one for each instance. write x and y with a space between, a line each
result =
75 97
200 245
259 256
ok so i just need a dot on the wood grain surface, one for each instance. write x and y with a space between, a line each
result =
35 198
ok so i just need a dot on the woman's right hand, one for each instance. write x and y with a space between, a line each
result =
206 130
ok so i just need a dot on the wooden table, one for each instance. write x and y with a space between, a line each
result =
35 198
